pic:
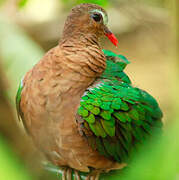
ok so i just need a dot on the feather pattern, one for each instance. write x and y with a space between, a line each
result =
113 115
118 115
92 129
20 114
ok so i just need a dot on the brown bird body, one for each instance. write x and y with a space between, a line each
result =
52 90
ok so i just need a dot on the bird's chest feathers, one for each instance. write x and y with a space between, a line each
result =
64 92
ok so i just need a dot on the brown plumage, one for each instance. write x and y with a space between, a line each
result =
52 90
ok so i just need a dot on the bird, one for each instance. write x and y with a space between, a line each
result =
79 106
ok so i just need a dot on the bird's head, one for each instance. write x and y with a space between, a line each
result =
88 19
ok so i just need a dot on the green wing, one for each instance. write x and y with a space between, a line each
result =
118 116
18 100
115 66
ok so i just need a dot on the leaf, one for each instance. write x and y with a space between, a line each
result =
22 3
11 163
102 3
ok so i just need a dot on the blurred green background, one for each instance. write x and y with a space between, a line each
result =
148 34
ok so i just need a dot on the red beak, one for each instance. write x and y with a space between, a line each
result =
111 36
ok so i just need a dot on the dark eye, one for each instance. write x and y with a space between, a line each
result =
97 17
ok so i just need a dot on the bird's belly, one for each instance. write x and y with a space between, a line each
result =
54 130
71 149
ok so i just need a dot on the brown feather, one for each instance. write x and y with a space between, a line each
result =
52 92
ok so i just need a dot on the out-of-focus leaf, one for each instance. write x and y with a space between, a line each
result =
102 3
158 160
99 2
18 52
22 3
2 2
11 168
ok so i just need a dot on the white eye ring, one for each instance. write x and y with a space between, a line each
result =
105 18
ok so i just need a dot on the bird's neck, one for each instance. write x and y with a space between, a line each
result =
83 54
84 59
79 39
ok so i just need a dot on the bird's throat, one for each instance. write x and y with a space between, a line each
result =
84 55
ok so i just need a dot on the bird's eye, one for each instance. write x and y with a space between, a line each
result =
97 17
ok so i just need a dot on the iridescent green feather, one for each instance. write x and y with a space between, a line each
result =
115 66
18 98
119 115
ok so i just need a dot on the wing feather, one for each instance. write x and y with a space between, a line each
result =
117 115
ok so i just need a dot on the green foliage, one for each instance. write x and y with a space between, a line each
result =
10 166
18 53
158 160
22 3
99 2
102 3
1 2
